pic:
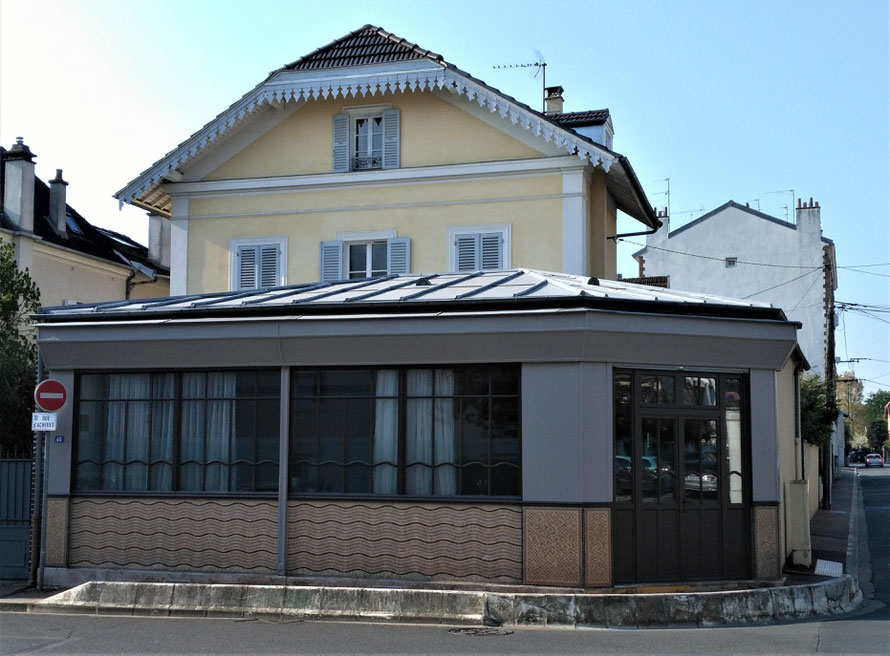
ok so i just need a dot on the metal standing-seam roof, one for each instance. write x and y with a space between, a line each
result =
424 293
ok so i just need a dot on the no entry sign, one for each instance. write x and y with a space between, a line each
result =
50 395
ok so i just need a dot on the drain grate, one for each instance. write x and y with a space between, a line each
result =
481 631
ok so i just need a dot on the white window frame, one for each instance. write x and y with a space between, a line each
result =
365 112
366 237
236 243
453 232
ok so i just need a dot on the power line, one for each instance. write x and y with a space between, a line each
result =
785 283
815 280
851 267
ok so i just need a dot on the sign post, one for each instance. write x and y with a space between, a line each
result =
50 396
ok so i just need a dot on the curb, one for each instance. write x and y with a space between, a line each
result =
831 597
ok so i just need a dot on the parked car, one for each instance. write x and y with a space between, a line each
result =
874 460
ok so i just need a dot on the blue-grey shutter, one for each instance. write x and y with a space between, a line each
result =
331 261
246 268
466 252
270 265
341 143
398 255
391 139
490 251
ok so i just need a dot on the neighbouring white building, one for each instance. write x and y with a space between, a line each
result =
740 252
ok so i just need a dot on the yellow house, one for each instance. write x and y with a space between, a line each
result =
69 259
373 156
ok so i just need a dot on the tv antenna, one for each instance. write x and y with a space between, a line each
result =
541 67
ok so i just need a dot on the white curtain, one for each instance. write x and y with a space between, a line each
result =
125 438
443 428
386 432
419 432
207 428
161 469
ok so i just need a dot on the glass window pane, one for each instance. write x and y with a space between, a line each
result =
621 390
657 390
304 383
91 386
471 380
345 382
734 445
474 480
505 379
358 256
698 390
378 258
269 383
474 430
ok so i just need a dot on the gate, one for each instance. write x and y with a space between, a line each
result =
15 516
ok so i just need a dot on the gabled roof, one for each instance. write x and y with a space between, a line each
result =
81 235
426 294
377 60
722 208
366 45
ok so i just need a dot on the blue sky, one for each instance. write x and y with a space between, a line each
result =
735 100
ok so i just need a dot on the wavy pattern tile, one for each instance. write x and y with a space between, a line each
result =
192 534
396 540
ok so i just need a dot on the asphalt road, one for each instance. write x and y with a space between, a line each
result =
867 631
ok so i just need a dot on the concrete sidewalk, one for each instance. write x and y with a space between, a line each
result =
835 538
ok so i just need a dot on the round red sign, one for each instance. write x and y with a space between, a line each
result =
50 395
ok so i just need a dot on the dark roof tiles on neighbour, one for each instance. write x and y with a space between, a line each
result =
580 119
365 46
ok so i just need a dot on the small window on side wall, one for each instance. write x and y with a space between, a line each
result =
731 262
258 262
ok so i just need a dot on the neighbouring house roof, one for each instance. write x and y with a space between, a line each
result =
424 294
81 235
581 119
374 47
718 210
650 281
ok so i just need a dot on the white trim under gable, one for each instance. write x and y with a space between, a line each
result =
282 89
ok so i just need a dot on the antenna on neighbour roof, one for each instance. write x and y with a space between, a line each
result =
785 207
541 67
667 193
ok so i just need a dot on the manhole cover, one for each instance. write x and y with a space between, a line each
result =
481 631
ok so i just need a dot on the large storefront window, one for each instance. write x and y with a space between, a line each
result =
190 432
416 432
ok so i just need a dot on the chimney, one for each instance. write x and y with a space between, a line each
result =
553 100
808 217
159 240
18 188
58 209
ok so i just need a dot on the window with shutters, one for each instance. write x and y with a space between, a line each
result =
355 255
258 262
366 138
479 248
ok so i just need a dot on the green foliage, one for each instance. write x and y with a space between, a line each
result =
19 297
877 434
874 405
817 412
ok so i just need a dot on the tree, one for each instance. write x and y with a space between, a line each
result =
19 297
875 404
849 399
877 435
817 411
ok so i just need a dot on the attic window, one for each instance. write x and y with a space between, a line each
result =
731 262
366 138
72 226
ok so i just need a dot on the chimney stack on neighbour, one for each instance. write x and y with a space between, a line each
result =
808 217
18 190
553 100
58 209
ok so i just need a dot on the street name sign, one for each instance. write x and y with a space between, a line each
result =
43 421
